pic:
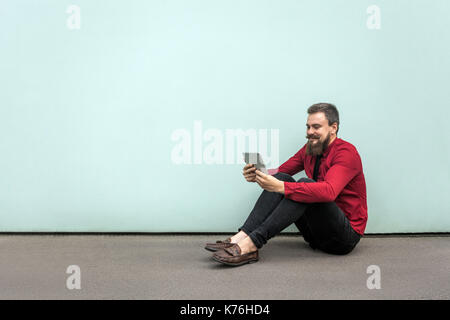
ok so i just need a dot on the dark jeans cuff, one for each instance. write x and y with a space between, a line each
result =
255 241
243 228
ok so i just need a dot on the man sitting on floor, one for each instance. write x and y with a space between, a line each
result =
329 208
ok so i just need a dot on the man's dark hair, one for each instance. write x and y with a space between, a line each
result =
329 110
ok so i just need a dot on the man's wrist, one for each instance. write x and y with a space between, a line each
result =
281 188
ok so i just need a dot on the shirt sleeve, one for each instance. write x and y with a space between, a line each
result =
293 165
344 168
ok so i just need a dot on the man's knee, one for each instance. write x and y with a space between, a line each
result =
284 177
305 180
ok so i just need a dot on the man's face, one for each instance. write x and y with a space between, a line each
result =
318 133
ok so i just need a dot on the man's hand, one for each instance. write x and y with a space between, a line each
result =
249 173
269 183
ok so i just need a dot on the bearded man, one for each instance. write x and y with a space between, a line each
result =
329 207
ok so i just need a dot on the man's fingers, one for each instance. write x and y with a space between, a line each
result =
260 174
260 184
250 170
248 166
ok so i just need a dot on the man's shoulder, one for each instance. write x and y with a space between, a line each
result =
345 145
346 149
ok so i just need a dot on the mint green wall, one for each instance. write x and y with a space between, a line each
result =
87 116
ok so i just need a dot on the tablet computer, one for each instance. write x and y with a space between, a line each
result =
256 159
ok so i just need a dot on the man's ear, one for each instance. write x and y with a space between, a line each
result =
335 127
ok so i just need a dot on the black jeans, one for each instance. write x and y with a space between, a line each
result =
323 224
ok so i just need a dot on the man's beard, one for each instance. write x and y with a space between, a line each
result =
316 148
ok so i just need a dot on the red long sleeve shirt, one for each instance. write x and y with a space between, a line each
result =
340 179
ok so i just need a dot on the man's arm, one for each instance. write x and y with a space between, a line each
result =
293 165
345 167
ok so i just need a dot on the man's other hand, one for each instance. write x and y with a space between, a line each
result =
269 183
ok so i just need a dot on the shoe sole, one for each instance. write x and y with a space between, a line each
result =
235 264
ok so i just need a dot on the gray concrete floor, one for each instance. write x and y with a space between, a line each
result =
178 267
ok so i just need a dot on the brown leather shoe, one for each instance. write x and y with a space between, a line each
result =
220 244
232 256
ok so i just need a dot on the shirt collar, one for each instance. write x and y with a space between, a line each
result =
330 146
